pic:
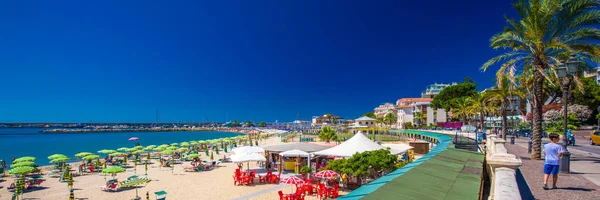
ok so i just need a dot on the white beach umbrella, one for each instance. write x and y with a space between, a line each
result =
294 153
248 149
248 157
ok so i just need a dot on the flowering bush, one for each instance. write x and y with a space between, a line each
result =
552 115
580 112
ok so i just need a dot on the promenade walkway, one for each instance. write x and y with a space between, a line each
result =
578 185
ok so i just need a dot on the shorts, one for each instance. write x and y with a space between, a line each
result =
551 169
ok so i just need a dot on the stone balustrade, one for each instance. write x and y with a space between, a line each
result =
501 167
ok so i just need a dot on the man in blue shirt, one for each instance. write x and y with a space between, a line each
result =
553 153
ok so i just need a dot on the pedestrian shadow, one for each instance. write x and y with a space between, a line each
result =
524 190
575 189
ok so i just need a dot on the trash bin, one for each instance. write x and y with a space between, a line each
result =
512 139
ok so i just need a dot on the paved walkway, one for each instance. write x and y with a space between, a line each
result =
574 186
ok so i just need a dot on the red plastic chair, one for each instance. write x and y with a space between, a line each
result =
333 193
299 193
275 179
322 191
237 180
282 196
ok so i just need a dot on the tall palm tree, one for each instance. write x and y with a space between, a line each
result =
502 93
418 117
462 109
380 120
390 118
479 106
546 32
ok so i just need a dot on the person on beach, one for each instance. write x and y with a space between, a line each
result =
553 153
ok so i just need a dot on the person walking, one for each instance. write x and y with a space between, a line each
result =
553 153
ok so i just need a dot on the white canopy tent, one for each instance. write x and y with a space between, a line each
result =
247 157
402 148
357 144
294 153
248 149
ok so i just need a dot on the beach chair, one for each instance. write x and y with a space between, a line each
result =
161 195
282 196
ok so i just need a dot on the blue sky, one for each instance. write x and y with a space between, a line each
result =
269 60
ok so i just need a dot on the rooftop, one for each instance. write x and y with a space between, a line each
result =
363 118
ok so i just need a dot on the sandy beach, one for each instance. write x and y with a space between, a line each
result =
214 184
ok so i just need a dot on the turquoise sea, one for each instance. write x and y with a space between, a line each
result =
17 142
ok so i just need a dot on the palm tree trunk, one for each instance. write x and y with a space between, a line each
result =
481 121
538 102
504 124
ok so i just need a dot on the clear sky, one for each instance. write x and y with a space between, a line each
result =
119 61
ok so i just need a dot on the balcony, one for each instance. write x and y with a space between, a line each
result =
591 73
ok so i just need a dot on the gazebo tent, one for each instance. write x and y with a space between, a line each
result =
357 144
306 147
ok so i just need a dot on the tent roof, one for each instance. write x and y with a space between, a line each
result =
357 144
306 147
398 147
294 153
247 157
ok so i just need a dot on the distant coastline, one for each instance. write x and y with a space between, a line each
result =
153 129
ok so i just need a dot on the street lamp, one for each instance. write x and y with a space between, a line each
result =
565 72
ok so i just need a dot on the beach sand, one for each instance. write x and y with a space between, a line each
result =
214 184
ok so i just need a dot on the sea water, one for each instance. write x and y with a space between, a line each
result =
18 142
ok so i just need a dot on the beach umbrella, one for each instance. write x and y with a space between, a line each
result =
160 148
168 151
182 149
82 154
136 148
149 148
291 180
91 157
326 174
113 170
21 170
206 152
212 157
172 148
147 196
118 154
185 144
22 164
106 151
174 144
192 156
148 156
123 149
59 160
133 138
193 143
217 149
71 194
24 159
146 168
55 156
134 182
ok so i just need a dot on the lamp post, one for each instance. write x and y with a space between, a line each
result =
565 72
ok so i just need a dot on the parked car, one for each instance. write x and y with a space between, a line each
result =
595 137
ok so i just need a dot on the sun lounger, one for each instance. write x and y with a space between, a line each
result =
161 195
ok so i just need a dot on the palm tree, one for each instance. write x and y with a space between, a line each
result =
462 109
418 116
380 120
479 105
390 118
502 93
546 33
327 134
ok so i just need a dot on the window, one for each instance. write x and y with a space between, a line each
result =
597 133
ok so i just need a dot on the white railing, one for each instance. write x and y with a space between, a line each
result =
501 167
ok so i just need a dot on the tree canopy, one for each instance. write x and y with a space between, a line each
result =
449 96
262 124
589 97
373 164
370 114
328 134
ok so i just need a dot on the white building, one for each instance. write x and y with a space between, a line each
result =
384 109
324 120
364 121
434 89
418 111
